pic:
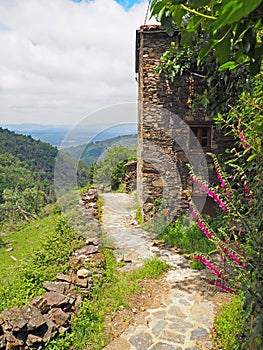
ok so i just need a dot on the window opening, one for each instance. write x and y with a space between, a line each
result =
202 137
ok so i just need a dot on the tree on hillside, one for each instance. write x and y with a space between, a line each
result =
21 205
13 175
34 154
111 170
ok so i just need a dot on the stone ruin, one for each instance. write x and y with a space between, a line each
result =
166 126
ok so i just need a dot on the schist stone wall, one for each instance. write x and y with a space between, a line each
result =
166 128
131 176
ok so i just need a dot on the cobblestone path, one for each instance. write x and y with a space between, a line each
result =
183 319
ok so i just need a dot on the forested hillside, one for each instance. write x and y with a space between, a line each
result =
35 155
26 175
93 150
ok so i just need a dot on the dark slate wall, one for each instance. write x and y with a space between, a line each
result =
164 110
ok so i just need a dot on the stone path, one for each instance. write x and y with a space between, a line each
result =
183 319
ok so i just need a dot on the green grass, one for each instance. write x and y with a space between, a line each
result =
138 216
229 325
24 240
187 236
183 234
111 294
43 248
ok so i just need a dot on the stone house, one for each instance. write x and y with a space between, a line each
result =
170 133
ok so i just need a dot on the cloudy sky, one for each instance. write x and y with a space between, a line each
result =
61 60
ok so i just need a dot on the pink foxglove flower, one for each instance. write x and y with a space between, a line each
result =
222 286
248 191
231 255
203 228
221 180
211 194
200 224
209 265
241 136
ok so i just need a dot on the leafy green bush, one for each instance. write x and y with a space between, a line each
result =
187 236
227 46
229 326
111 170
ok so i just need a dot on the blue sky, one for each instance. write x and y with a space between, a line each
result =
128 3
125 3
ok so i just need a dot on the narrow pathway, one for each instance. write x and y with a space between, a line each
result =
183 319
118 216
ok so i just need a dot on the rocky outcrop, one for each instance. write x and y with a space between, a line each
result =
50 314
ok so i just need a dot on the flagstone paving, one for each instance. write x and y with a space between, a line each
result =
183 319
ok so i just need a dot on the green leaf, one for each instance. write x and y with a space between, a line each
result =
228 65
170 11
187 37
194 23
177 16
234 10
153 4
253 156
160 14
156 7
194 4
222 49
205 50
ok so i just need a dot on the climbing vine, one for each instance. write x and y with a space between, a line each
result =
219 41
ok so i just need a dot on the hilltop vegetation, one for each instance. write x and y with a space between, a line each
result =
26 176
66 136
35 155
111 169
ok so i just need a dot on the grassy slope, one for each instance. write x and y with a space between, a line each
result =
113 293
24 240
44 247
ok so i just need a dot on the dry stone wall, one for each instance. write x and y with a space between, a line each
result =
50 314
89 200
131 176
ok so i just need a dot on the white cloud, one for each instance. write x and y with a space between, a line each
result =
60 60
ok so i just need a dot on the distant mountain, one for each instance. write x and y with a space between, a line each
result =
63 136
93 151
46 133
